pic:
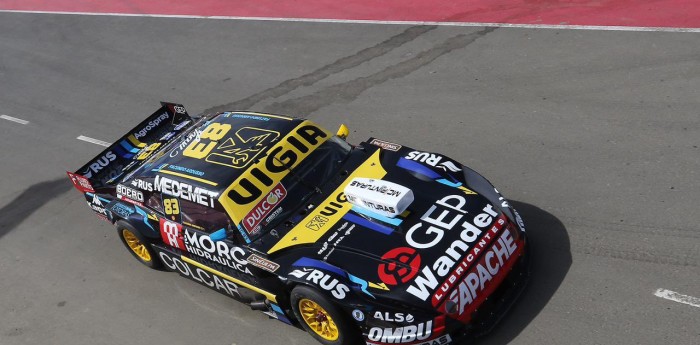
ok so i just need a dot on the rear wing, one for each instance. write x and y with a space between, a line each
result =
131 150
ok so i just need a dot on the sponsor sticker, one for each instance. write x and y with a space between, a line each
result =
399 265
81 183
385 145
433 160
358 315
263 208
171 233
263 263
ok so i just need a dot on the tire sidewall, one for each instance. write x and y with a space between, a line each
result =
348 332
155 262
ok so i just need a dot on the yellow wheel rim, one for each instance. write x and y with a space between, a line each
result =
136 246
318 319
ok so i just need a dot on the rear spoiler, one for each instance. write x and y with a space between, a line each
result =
131 150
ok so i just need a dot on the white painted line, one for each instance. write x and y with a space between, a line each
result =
676 297
379 22
14 119
94 141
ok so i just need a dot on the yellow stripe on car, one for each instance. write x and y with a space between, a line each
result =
259 179
267 295
330 211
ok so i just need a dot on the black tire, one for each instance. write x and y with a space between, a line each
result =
142 250
347 332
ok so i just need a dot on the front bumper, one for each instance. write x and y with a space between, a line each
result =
497 305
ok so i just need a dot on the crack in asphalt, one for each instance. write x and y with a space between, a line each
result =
29 201
324 72
349 91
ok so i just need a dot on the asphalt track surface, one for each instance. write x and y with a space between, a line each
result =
594 134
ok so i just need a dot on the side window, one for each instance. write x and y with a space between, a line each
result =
154 202
201 217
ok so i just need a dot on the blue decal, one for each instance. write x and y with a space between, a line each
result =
218 235
159 167
417 168
308 262
145 217
122 210
361 282
368 224
449 183
243 233
385 219
280 313
185 170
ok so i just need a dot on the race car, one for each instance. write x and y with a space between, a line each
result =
376 243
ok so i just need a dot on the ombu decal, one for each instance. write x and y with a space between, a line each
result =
253 185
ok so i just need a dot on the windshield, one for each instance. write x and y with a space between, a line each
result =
305 179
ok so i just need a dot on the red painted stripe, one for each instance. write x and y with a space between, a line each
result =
645 13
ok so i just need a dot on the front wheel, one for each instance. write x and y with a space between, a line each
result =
322 319
137 245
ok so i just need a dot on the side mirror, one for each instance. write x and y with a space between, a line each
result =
218 235
343 131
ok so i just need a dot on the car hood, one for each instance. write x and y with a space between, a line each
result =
430 255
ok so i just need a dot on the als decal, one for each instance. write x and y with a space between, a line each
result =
322 280
433 160
222 285
386 145
399 265
333 208
263 208
184 191
393 317
260 178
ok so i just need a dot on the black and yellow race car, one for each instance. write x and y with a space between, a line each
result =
376 243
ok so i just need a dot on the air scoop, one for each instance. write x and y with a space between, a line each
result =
382 197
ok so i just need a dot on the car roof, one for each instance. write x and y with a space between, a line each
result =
237 140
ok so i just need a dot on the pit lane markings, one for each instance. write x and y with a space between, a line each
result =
676 297
14 119
376 22
94 141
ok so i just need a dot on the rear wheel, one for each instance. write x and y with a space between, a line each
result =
321 318
137 245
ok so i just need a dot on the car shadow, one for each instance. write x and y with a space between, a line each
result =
550 260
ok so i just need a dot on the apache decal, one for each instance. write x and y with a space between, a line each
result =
331 210
445 214
253 185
